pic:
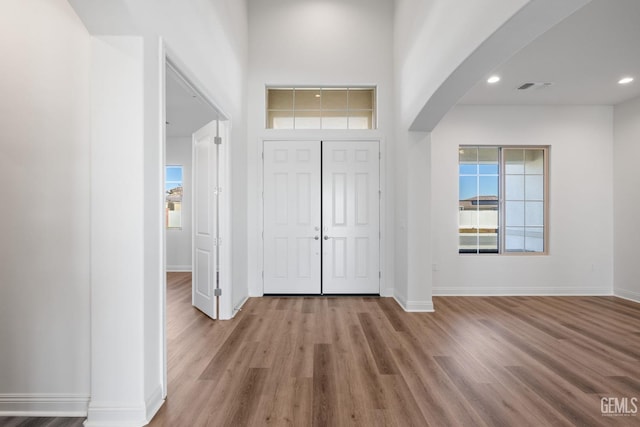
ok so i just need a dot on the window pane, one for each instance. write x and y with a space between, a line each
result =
468 188
468 155
465 169
173 196
174 173
534 213
468 242
514 239
360 120
489 190
513 160
534 161
514 187
534 185
280 120
307 120
514 214
334 100
534 239
361 99
488 169
280 99
488 154
334 120
307 99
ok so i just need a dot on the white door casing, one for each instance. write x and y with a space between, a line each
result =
292 217
205 191
351 217
349 178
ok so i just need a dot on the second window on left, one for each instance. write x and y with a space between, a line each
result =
173 196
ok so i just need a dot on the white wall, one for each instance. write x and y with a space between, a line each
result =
580 259
433 37
45 227
207 40
179 240
305 42
626 153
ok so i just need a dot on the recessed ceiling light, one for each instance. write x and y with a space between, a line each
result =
317 95
625 80
493 79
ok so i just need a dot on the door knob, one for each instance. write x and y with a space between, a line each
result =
316 238
326 237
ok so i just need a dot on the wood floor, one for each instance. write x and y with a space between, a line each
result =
40 422
476 361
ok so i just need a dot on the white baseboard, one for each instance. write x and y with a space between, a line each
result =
43 405
114 414
178 268
414 306
238 307
517 291
627 294
154 402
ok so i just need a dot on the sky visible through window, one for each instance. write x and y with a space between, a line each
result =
478 180
173 178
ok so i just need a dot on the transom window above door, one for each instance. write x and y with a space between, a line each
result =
321 108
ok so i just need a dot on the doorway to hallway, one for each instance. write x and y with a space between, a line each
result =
321 204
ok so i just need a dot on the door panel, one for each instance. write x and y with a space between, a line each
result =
205 161
351 215
292 217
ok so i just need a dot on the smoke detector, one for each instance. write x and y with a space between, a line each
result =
534 85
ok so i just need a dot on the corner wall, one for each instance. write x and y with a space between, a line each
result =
45 227
626 203
580 259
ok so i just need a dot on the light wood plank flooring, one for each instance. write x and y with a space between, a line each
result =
476 361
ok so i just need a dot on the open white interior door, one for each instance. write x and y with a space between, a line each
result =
205 219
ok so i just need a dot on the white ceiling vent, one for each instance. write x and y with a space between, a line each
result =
534 86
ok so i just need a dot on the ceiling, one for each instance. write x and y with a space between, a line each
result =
583 57
186 111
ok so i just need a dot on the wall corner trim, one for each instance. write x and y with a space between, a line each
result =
415 306
154 402
43 405
627 294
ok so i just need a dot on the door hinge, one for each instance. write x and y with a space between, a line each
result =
263 155
217 140
263 274
263 235
379 274
217 241
379 155
217 292
380 194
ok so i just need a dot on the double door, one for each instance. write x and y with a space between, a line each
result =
321 217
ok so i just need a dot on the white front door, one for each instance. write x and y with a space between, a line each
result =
321 243
292 217
351 217
205 212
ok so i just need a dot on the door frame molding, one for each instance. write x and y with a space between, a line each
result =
385 290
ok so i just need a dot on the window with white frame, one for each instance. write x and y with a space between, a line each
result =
502 197
321 108
173 197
